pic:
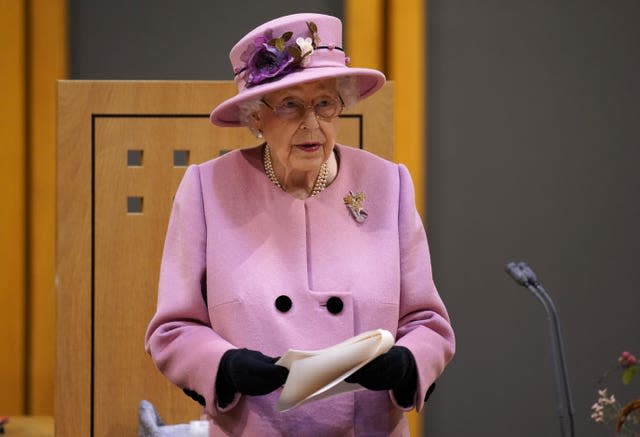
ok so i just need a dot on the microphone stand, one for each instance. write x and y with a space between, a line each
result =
525 276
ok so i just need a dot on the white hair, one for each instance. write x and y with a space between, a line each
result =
246 109
346 86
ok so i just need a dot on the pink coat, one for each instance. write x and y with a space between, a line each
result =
240 242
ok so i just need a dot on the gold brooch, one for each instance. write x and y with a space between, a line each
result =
354 203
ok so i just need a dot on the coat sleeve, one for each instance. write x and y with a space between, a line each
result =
424 326
179 337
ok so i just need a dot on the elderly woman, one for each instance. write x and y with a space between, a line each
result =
297 243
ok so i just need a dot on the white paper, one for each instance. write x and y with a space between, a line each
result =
318 374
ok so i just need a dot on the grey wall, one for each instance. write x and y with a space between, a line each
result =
533 149
533 143
168 39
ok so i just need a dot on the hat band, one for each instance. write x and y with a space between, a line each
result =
330 48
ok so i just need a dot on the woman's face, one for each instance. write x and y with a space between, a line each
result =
299 144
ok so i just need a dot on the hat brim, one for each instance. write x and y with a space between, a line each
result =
368 81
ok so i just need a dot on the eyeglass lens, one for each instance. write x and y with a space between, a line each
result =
326 108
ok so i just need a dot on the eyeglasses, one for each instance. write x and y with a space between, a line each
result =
325 108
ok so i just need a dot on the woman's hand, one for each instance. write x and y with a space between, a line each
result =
394 370
247 372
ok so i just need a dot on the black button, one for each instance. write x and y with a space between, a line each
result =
283 303
334 305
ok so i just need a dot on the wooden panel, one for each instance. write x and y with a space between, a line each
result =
365 33
30 426
378 130
127 258
406 66
110 301
12 213
47 54
73 265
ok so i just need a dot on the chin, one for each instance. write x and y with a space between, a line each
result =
308 165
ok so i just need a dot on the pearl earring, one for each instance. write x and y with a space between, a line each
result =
259 134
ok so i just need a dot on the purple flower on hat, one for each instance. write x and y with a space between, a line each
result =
267 62
271 58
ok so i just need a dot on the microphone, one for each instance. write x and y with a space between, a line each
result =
516 271
525 276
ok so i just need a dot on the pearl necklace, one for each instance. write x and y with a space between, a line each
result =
319 185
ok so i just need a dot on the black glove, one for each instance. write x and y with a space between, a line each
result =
249 373
394 370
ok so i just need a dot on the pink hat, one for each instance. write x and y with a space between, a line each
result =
288 51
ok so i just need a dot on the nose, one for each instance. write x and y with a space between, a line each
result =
309 119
